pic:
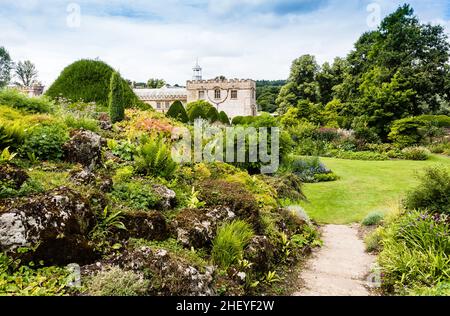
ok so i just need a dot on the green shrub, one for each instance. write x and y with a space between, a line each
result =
18 100
11 135
416 153
136 194
154 159
89 81
178 112
325 134
415 252
230 242
287 186
45 142
85 123
433 192
372 219
440 289
310 147
223 118
358 155
9 189
114 281
326 177
116 99
439 148
308 169
244 120
125 150
212 114
199 110
411 131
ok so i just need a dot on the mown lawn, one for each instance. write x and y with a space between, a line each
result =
365 186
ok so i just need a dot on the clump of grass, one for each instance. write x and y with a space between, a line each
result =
229 244
114 281
433 192
373 241
373 219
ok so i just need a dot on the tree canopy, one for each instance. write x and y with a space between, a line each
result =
399 70
6 65
27 73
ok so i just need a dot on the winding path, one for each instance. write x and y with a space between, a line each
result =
340 267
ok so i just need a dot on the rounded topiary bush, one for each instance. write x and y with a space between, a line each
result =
89 80
200 110
178 112
223 118
212 114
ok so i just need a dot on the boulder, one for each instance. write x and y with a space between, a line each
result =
197 228
55 224
167 197
84 176
84 147
13 175
171 275
144 224
259 252
105 125
233 195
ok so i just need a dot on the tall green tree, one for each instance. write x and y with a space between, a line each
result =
267 93
399 70
6 65
301 85
116 98
27 73
155 83
329 77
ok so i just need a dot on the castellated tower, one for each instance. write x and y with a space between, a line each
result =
236 97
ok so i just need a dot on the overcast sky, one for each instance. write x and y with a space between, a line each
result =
255 39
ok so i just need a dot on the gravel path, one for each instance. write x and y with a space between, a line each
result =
340 267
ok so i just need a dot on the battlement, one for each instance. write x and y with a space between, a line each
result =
220 81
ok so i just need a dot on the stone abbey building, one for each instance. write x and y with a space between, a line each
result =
236 97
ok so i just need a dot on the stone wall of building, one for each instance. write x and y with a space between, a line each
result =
235 97
162 99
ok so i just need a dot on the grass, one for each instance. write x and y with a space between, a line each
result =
363 187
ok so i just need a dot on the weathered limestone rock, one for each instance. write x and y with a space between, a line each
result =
259 252
144 224
57 222
197 228
11 174
84 176
84 147
171 275
166 196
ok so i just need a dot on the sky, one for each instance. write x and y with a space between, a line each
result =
256 39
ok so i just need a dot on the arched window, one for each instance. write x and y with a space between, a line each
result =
217 94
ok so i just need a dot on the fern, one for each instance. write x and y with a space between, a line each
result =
154 159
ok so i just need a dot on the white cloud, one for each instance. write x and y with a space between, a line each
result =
163 38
